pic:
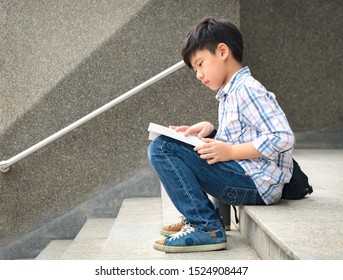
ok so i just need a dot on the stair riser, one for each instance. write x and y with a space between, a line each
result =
259 240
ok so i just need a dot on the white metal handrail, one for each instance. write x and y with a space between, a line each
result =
6 164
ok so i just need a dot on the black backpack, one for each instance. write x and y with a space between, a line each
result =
298 186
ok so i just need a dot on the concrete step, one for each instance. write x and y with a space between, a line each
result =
129 236
307 229
136 228
87 245
54 250
91 240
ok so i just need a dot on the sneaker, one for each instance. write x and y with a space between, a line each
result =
191 239
174 228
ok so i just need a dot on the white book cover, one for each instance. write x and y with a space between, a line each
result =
156 130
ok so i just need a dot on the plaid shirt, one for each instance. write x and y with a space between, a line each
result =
249 113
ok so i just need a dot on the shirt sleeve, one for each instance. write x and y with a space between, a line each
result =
260 109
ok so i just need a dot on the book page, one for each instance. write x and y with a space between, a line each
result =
156 130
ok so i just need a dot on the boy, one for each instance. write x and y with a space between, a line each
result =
248 161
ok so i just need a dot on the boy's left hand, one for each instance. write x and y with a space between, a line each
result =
214 151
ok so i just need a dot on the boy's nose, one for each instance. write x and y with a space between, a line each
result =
200 75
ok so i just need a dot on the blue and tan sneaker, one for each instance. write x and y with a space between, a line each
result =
173 228
191 239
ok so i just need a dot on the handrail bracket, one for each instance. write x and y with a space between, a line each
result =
4 168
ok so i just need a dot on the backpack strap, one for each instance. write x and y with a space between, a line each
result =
236 215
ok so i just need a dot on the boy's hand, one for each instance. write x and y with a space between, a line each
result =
181 128
201 129
214 151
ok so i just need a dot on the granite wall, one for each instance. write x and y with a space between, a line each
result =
63 60
294 49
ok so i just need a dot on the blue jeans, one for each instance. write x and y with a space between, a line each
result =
188 179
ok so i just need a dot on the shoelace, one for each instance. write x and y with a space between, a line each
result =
183 219
186 229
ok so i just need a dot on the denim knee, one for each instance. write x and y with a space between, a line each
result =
151 151
154 148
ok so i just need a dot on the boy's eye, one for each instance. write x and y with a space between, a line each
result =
197 65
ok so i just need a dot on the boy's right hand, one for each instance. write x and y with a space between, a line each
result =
201 129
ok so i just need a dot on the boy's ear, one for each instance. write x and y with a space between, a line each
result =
223 50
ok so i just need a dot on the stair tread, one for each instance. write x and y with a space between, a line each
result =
306 229
136 228
90 241
54 250
96 228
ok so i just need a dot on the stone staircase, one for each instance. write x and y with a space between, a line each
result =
311 228
131 235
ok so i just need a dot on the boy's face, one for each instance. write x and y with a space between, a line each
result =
210 68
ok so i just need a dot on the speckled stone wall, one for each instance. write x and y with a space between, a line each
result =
295 49
63 60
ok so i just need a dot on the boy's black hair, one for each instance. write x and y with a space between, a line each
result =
210 32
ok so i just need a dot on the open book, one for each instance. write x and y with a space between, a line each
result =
156 130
